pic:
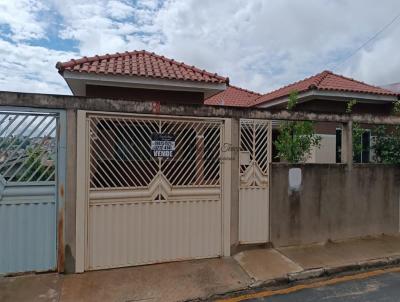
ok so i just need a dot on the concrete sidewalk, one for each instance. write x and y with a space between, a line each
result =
187 280
175 281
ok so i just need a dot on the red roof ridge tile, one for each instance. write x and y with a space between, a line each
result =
319 78
198 74
233 96
361 82
245 90
291 84
317 82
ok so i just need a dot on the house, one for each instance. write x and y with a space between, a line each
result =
114 182
324 92
141 75
393 87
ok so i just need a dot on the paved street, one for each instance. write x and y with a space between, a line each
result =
375 287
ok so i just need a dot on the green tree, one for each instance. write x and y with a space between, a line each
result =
386 144
296 138
33 169
358 132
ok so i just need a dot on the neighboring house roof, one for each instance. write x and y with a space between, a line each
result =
325 80
393 87
140 63
233 96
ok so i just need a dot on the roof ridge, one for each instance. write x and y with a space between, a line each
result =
320 77
360 82
288 85
202 71
316 82
246 90
62 65
176 69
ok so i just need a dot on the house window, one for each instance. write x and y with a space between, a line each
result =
365 154
366 146
338 145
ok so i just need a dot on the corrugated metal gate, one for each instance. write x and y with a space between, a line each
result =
145 206
255 156
28 195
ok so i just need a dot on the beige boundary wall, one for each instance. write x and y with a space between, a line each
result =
75 213
313 203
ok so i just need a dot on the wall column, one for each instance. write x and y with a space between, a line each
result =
70 192
230 159
347 144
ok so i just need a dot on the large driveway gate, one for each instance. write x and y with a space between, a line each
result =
255 156
154 189
29 151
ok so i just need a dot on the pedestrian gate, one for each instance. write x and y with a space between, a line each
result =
255 156
154 187
28 202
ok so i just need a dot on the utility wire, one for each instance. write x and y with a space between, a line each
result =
368 41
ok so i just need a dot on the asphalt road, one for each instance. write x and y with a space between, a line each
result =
382 287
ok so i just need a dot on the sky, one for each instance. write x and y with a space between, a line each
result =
260 45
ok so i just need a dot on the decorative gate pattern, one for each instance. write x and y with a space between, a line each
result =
28 157
146 209
255 156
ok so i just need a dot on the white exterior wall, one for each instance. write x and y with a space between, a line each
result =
326 154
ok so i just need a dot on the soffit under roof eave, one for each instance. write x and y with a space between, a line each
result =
77 78
333 96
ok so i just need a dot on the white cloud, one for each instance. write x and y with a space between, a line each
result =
263 45
380 63
119 10
31 69
260 45
21 16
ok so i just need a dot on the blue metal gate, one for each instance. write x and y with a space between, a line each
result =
29 153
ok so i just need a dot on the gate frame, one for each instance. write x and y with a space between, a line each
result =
268 188
82 198
60 180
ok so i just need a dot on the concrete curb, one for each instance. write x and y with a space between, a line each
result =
309 274
334 270
306 274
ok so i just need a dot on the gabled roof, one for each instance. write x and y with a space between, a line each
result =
325 80
233 96
140 63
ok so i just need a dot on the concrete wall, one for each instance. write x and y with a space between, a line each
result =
290 226
333 202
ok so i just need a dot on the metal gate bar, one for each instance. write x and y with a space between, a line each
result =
255 146
143 208
120 154
255 151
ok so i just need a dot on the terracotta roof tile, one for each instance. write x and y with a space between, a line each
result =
140 63
233 96
325 80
